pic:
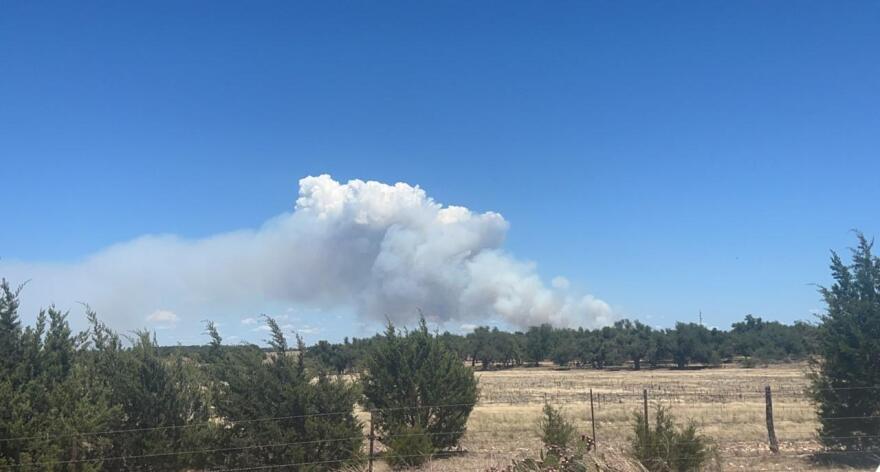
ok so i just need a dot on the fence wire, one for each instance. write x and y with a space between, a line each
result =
611 431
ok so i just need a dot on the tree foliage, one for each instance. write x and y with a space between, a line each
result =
61 389
98 401
625 343
304 408
847 372
413 380
667 447
557 431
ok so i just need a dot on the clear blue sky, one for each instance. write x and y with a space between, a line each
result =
668 156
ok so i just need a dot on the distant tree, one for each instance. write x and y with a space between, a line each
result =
692 343
457 343
601 348
745 336
585 340
539 342
770 340
413 381
509 347
483 346
493 346
634 340
847 371
659 349
335 358
808 334
565 349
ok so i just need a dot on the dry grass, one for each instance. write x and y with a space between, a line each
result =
727 403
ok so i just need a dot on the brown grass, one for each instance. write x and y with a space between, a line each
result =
727 404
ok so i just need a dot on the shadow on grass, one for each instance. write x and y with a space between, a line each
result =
855 459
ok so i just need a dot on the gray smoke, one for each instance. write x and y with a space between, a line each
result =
380 250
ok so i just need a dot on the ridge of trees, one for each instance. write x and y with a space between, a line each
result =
626 343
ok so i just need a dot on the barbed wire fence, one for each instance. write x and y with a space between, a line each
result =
596 414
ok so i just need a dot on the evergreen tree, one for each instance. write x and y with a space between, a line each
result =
309 418
53 402
412 380
557 431
847 372
10 328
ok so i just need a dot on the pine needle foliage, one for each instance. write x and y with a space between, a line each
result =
557 432
247 384
413 380
409 448
667 447
846 372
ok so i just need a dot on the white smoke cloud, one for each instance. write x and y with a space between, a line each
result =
163 317
380 250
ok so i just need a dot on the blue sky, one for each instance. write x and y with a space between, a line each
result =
666 157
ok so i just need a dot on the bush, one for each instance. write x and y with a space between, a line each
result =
563 462
670 448
562 452
576 459
409 448
557 432
415 380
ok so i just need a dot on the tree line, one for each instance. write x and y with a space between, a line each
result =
626 343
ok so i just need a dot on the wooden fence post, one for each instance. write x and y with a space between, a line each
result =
372 438
771 430
593 420
645 401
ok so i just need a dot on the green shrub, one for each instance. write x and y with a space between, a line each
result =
557 432
414 379
666 447
411 447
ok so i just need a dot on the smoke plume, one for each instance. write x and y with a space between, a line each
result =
377 249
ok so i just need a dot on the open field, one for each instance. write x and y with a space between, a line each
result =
727 403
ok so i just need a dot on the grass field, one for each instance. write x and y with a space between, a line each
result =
727 403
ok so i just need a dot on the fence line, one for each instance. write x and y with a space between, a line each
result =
785 442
